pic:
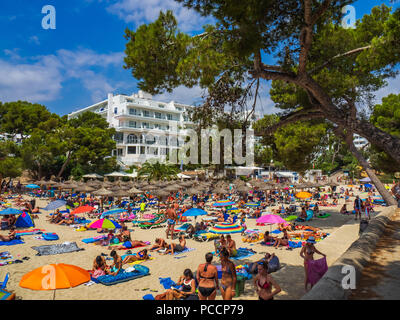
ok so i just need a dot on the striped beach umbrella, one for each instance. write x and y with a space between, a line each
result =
226 228
252 204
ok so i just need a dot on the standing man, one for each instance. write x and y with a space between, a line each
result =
171 220
396 193
358 207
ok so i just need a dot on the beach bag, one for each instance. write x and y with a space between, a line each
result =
162 296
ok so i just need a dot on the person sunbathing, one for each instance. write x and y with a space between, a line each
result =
268 238
12 234
159 245
130 244
343 210
140 256
176 247
284 241
68 222
125 234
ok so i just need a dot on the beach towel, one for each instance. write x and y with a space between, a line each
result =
243 253
326 215
92 240
290 218
29 232
316 269
66 247
184 251
276 231
11 243
266 243
294 245
167 283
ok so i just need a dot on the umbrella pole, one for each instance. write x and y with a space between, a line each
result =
54 294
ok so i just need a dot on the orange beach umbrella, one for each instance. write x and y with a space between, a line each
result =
83 209
303 195
54 276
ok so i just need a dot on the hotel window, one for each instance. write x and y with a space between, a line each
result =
145 125
115 110
169 116
161 106
132 124
132 112
179 108
158 115
146 113
131 150
132 138
119 152
157 126
142 150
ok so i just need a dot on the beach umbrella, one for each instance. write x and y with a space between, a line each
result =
270 219
368 185
92 176
32 186
54 205
54 276
85 188
252 204
112 211
104 224
223 203
194 212
120 193
303 195
226 228
133 190
172 188
103 192
10 211
83 209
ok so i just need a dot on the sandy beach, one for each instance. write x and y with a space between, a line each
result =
343 231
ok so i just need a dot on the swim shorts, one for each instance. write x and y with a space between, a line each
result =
171 221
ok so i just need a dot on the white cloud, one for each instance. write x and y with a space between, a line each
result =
145 11
34 39
41 78
182 94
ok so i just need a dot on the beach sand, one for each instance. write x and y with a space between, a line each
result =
343 231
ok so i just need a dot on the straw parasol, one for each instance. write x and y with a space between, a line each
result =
172 188
85 188
103 192
133 190
120 193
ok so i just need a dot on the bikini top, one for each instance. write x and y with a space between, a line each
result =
209 278
264 286
186 287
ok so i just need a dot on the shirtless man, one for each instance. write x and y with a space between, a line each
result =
231 246
177 247
160 243
171 221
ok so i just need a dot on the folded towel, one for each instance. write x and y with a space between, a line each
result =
11 243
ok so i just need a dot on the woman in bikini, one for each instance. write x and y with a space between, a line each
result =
99 267
264 283
141 256
207 278
307 253
187 290
115 268
284 241
228 280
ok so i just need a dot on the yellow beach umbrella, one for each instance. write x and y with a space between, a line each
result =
303 195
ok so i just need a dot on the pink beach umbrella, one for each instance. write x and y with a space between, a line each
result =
270 219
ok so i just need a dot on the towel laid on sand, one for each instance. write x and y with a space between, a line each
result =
11 243
316 269
66 247
92 240
243 253
184 251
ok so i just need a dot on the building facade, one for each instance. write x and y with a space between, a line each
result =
359 141
146 129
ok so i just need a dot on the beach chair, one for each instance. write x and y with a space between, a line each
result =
310 215
3 284
156 224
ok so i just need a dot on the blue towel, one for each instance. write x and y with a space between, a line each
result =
167 283
11 243
276 231
293 244
243 253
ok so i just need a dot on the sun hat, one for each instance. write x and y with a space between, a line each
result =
311 240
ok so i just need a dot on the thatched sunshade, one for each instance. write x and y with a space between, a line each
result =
133 190
85 188
103 192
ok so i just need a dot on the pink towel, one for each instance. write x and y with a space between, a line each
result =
316 269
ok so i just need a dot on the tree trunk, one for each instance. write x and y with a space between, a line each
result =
371 174
64 165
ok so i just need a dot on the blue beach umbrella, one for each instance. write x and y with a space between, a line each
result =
194 212
9 211
367 185
112 211
54 205
32 186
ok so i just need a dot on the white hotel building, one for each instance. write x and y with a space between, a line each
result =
146 129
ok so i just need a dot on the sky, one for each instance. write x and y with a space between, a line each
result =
80 61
